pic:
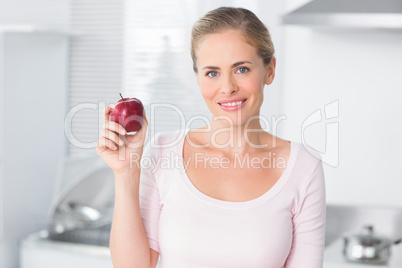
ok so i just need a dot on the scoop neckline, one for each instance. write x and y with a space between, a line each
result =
268 195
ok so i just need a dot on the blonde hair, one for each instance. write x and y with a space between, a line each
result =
230 18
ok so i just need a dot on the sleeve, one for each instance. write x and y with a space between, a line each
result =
309 225
150 202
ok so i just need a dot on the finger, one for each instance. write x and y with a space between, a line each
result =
145 118
113 126
106 113
105 143
112 136
144 125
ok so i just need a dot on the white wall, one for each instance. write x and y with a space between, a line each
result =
28 159
361 70
269 12
1 158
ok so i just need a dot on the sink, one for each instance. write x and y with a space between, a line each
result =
85 185
94 235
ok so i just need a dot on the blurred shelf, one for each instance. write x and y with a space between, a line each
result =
29 28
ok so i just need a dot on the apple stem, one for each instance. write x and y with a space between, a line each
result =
121 96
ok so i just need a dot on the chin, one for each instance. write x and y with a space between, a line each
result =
229 119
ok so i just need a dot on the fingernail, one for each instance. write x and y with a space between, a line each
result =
121 142
123 132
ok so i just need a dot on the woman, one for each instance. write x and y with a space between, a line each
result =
241 196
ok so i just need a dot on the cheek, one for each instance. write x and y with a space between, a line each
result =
207 88
253 83
207 94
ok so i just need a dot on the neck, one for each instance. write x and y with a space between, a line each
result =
240 139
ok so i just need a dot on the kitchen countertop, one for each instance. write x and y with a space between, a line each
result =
39 239
37 251
333 257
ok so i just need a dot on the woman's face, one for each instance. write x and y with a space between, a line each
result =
231 76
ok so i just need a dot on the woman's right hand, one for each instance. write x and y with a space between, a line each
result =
125 157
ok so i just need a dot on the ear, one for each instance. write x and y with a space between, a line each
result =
270 71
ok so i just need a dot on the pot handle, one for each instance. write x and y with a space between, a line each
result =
394 242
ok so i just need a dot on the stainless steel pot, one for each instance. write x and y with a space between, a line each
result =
73 216
367 247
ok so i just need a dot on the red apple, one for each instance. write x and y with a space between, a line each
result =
128 112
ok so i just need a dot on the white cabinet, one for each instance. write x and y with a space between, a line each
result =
33 91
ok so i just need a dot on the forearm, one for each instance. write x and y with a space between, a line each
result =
129 245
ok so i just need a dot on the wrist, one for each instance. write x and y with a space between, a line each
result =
128 180
131 172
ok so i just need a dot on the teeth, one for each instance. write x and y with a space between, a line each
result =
231 103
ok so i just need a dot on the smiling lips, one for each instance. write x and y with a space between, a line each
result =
232 105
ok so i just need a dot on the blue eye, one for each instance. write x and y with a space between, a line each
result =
212 74
243 70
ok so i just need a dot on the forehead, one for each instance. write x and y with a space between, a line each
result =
227 46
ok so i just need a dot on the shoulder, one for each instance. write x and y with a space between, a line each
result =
307 165
166 138
306 155
308 174
164 141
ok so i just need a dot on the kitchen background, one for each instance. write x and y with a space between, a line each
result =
337 89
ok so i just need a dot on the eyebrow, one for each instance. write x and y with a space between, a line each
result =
233 65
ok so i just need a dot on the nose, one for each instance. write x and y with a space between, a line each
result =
228 85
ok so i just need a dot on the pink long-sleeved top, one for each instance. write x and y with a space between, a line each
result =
284 227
